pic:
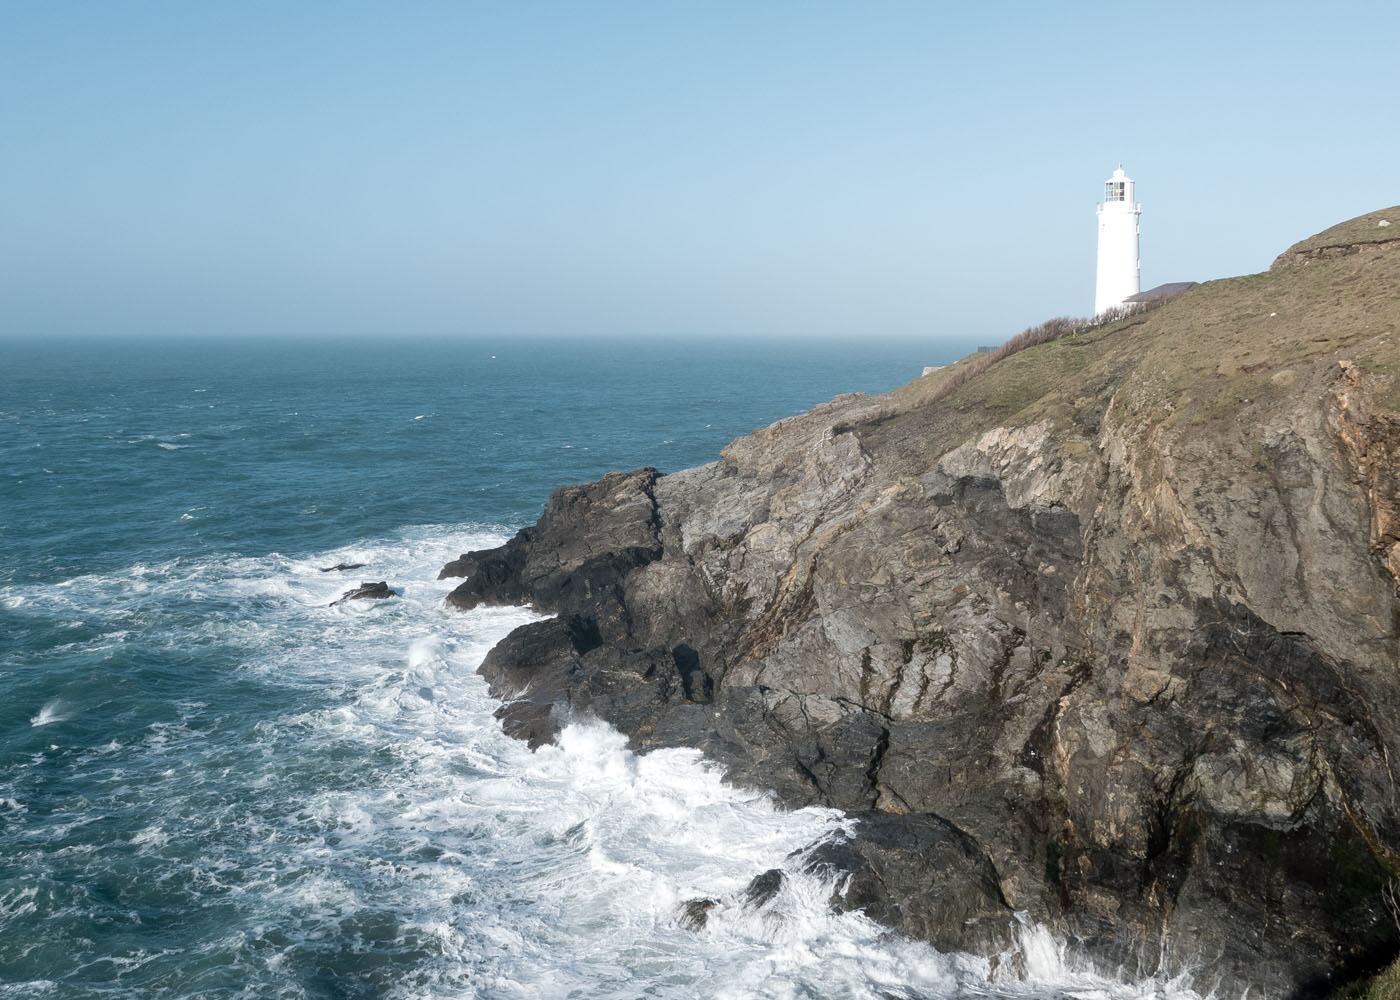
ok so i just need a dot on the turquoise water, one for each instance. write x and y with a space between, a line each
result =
212 784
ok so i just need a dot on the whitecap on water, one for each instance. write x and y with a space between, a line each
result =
18 901
152 835
53 710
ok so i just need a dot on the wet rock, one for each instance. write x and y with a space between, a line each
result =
590 538
341 567
365 591
921 876
762 888
695 913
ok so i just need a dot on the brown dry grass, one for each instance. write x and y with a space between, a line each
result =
1362 229
1206 358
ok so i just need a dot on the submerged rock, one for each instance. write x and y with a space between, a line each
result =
1106 635
371 591
341 567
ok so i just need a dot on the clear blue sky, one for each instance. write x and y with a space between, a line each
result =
661 168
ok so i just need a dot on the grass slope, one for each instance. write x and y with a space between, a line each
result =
1208 358
1362 229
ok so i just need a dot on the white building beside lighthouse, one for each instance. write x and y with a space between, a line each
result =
1119 273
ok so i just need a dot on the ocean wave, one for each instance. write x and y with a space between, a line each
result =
319 787
53 710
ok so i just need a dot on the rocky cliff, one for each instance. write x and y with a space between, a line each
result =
1106 635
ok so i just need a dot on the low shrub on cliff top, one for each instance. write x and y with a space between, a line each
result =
1051 329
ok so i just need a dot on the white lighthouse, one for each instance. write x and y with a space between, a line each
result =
1119 265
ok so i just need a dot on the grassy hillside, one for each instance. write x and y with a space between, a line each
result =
1211 356
1362 229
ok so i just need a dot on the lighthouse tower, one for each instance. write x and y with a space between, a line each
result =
1119 264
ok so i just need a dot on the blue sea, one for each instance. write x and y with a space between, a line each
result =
214 784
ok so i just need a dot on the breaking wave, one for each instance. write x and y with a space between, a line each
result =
260 794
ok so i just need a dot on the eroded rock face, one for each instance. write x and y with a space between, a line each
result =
1302 258
1139 683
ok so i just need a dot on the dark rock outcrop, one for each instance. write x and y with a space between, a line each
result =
1100 637
341 567
695 913
959 902
365 591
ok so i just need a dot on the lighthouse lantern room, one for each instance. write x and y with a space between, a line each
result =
1119 272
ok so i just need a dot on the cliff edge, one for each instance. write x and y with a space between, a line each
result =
1106 635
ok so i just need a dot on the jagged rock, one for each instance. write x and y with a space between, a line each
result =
374 591
695 913
762 888
959 902
341 567
1107 635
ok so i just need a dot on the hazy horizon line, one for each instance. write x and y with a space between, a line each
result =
534 336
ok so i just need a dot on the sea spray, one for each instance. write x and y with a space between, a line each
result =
364 820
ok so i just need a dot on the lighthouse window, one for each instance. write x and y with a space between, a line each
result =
1114 191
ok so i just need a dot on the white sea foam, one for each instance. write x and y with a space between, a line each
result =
153 835
565 870
53 710
28 990
18 902
510 873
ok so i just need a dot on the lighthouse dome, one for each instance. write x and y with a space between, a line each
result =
1118 188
